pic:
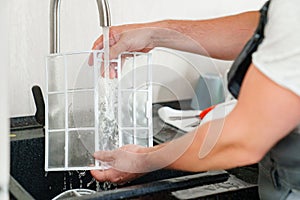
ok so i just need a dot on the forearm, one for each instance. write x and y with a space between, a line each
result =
244 136
221 38
231 150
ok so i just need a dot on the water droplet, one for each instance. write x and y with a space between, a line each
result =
98 189
65 182
71 179
90 183
80 183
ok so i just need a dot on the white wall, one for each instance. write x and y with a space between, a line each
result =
4 136
29 33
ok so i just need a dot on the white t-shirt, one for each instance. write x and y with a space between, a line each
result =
278 56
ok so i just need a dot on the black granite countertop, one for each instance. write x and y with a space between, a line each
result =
247 174
27 163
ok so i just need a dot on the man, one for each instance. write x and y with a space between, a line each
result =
261 127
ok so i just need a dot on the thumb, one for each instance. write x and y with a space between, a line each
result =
105 156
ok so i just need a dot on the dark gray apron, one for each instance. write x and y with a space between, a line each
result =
279 170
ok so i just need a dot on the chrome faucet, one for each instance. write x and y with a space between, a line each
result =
104 17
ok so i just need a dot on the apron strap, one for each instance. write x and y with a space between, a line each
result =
242 62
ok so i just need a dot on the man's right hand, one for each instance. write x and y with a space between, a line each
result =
134 37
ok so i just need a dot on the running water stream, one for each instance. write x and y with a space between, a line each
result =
106 51
108 105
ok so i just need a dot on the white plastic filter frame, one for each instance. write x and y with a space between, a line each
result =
134 107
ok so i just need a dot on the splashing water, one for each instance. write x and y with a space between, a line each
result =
108 128
107 123
71 179
65 182
80 176
91 182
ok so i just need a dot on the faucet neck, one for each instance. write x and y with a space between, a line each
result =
104 13
104 16
54 26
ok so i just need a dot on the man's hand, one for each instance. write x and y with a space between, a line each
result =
134 37
126 38
127 163
114 176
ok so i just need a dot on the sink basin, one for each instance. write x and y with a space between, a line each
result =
27 168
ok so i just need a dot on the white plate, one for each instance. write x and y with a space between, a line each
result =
220 111
166 112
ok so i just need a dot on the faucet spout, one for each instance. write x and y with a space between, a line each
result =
104 16
104 13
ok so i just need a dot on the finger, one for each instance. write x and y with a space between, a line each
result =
102 70
113 71
101 175
112 175
118 48
129 162
91 57
105 156
113 38
146 50
98 44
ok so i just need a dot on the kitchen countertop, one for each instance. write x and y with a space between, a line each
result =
238 183
248 175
